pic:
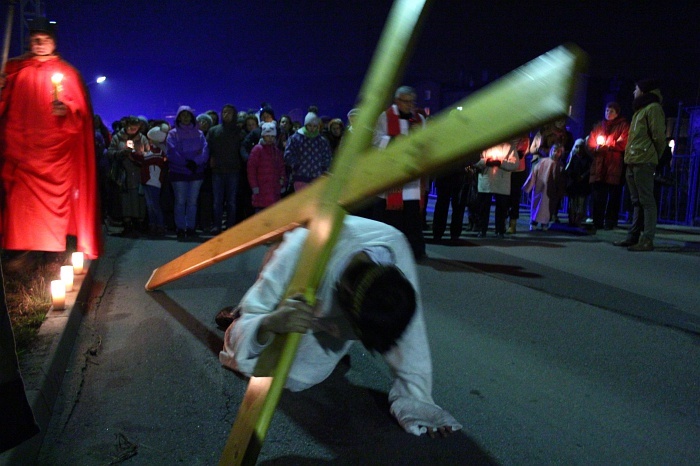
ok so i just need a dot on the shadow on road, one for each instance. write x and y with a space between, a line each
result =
354 423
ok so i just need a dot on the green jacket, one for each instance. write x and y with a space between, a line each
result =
647 136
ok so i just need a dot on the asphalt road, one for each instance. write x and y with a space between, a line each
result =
550 348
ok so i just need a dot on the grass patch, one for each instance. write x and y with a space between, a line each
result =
28 296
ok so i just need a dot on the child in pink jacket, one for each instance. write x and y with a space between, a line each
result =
266 172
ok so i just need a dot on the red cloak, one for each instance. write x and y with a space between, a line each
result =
48 162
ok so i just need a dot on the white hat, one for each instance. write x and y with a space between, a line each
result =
310 118
156 134
268 129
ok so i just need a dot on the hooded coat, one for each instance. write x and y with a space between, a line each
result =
186 144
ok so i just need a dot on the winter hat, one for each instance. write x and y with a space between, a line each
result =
647 85
311 118
268 129
205 117
156 134
267 110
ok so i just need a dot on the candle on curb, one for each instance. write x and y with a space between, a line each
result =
67 276
78 261
58 294
56 81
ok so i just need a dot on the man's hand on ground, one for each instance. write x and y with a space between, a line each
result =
443 431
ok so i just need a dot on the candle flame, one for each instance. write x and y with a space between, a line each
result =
600 140
57 78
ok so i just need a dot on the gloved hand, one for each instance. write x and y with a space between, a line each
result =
191 166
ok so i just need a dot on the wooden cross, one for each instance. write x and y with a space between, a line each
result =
529 96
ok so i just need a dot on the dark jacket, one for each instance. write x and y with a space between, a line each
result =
224 142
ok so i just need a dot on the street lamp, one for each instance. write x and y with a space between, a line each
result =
98 80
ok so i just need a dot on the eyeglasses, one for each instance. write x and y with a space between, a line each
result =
407 101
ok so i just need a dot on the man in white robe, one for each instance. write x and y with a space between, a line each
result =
329 329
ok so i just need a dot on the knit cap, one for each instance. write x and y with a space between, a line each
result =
156 134
268 129
311 118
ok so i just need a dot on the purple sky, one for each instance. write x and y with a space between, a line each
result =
159 55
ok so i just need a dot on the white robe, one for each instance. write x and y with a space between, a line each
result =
318 353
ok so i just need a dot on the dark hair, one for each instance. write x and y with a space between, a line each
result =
132 120
380 306
214 116
41 25
615 106
267 110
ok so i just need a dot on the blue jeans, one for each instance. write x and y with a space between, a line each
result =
186 194
224 187
155 213
640 182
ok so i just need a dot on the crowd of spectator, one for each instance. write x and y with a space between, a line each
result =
204 173
208 172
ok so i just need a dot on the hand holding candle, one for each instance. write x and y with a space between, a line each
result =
56 81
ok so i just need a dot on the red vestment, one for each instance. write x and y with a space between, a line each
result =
48 162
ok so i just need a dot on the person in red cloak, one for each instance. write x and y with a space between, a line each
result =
47 152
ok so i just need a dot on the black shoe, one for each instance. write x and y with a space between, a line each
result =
626 242
225 317
181 235
481 234
191 233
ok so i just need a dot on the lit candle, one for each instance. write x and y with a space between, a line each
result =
67 276
78 261
600 140
58 294
56 81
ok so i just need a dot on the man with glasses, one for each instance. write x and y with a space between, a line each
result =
401 207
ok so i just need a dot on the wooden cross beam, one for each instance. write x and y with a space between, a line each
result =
263 394
535 93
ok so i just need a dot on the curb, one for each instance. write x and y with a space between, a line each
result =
42 380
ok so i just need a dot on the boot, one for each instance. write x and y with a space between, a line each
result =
645 244
627 242
511 227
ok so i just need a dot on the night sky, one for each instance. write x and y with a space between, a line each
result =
159 55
